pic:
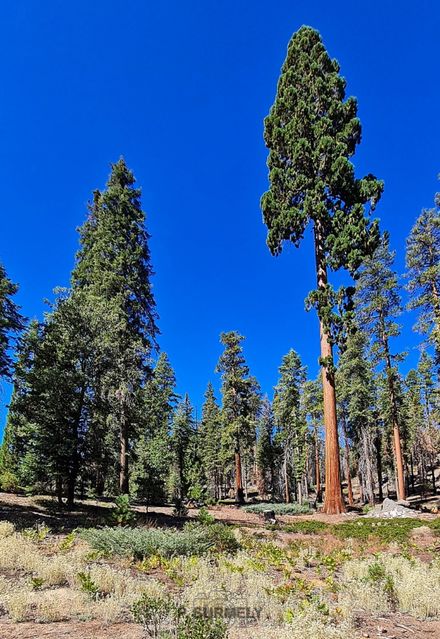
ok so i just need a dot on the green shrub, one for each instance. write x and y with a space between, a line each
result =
387 530
279 509
205 517
87 585
121 514
8 481
153 613
144 542
220 537
309 527
194 626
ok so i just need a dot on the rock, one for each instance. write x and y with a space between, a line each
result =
391 509
403 502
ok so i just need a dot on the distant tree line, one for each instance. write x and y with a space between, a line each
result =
94 408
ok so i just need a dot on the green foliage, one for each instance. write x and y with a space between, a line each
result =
121 514
195 626
37 583
240 402
153 613
210 445
279 509
423 273
87 585
309 527
311 132
220 537
386 530
204 517
145 542
11 322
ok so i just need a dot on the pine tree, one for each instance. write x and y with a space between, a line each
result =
152 450
240 403
314 413
11 322
265 452
423 264
183 432
355 379
312 132
291 421
114 270
379 304
211 443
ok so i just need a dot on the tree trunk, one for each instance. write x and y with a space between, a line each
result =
59 489
333 503
433 476
379 463
317 466
123 457
400 477
239 494
369 483
286 480
347 466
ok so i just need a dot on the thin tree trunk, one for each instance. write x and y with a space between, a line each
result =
286 480
347 464
239 494
369 483
317 466
379 463
334 502
433 476
123 457
400 478
59 489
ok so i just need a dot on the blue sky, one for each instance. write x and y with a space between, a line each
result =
181 90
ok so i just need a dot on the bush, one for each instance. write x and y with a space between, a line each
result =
221 538
204 517
121 514
195 626
153 613
144 542
278 509
387 530
8 482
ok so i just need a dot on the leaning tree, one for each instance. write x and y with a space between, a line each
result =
311 132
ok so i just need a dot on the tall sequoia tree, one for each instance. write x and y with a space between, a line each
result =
379 304
114 268
423 264
11 322
240 403
312 131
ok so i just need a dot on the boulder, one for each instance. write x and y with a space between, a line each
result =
390 509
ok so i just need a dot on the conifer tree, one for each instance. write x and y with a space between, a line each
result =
312 131
11 321
314 413
183 432
265 452
211 443
379 305
114 268
423 264
291 421
355 381
152 450
240 404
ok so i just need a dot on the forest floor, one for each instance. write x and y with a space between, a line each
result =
308 577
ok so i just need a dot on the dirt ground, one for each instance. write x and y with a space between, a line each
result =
26 511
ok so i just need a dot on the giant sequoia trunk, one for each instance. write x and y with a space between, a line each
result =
333 502
317 466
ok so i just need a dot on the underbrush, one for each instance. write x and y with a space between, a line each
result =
278 509
195 539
